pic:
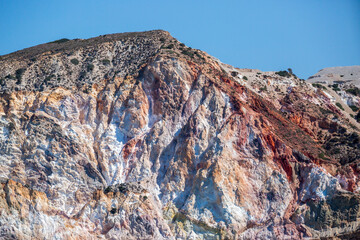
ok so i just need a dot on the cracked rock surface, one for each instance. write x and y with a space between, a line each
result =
141 137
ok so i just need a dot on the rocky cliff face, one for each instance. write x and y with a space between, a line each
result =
136 136
341 85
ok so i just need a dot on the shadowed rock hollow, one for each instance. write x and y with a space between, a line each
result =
136 136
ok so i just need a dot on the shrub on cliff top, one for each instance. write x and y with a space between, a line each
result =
283 73
61 40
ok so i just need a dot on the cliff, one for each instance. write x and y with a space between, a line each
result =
136 136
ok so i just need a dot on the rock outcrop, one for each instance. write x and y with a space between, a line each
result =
339 75
136 136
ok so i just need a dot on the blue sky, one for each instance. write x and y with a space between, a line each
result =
306 35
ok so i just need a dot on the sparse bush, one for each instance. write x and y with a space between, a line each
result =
90 67
339 106
162 39
61 40
170 46
106 61
317 85
325 111
322 156
107 189
354 108
182 45
335 87
74 61
234 74
245 78
48 78
113 211
283 74
354 91
353 126
11 126
357 117
87 89
10 77
336 151
82 75
264 88
188 52
199 56
19 74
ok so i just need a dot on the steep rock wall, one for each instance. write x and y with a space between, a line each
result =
176 148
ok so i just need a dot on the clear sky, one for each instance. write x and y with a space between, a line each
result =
306 35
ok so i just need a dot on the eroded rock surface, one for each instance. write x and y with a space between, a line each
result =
145 138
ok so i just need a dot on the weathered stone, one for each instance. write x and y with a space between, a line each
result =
165 142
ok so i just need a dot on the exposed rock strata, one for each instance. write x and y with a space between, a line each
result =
166 142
